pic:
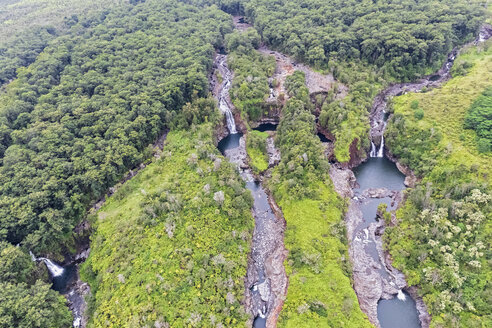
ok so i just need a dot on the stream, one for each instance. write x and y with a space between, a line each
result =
266 280
381 289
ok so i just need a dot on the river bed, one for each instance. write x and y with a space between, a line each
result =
266 280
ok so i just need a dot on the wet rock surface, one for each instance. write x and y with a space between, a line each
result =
374 278
266 280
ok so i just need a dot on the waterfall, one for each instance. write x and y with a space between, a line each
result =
401 296
381 147
53 268
373 152
224 92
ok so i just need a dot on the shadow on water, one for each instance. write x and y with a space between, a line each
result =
229 142
63 282
398 313
266 127
259 322
379 172
322 137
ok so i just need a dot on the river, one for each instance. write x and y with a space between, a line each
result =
266 280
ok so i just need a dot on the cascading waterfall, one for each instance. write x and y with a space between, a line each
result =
373 152
401 296
224 91
381 147
377 152
54 269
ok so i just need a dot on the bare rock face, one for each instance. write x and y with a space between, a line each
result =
378 193
273 152
343 180
76 302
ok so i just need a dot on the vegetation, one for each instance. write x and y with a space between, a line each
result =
26 299
28 26
84 112
250 87
320 293
442 240
479 118
257 152
81 115
364 44
403 38
172 244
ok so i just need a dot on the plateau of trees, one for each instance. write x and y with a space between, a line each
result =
84 112
27 27
250 87
403 38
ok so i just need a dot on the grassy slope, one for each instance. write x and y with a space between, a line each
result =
314 227
445 109
182 279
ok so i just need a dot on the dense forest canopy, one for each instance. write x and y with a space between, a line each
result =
479 118
81 115
402 37
27 27
93 83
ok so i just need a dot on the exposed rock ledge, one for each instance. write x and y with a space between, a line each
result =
372 281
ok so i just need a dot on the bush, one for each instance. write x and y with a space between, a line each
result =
419 114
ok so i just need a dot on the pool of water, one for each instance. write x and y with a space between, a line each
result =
396 313
62 282
259 322
322 138
229 142
379 172
382 173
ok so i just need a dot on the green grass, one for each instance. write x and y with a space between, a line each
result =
448 215
256 148
445 109
320 293
165 250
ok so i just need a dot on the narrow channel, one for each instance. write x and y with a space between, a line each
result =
266 280
381 289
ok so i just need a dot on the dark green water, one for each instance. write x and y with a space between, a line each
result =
382 173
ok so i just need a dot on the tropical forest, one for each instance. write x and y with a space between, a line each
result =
245 163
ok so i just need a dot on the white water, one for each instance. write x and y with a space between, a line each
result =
381 147
224 91
53 268
373 152
401 296
377 152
